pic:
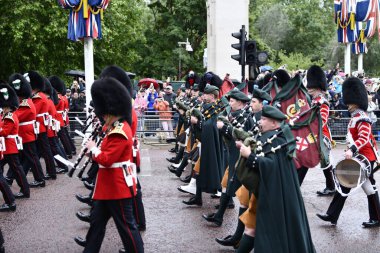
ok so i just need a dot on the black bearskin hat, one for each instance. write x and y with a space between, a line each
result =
21 86
48 90
54 96
281 76
120 75
58 84
210 78
36 80
194 76
111 97
264 81
316 78
8 97
354 92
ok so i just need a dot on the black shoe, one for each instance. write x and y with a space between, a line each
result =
229 206
88 185
172 169
228 241
141 227
186 179
138 169
48 177
326 192
211 218
85 179
9 181
193 201
83 217
61 170
80 241
122 250
326 217
74 153
172 160
215 196
69 156
21 195
8 208
83 199
371 224
36 184
173 150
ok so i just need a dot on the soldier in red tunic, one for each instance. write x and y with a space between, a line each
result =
316 87
9 131
63 135
41 103
361 141
26 114
115 185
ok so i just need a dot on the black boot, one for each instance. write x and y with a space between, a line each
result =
247 243
182 166
374 211
217 218
196 200
330 186
233 240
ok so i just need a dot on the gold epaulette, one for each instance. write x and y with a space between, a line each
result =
37 95
25 103
119 130
9 115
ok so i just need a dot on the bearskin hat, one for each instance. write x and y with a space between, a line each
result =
8 97
54 97
119 74
36 80
58 84
48 89
354 92
111 97
21 86
210 78
281 76
194 76
264 81
316 78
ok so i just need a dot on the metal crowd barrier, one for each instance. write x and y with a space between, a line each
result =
152 126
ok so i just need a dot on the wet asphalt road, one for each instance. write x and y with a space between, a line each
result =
46 222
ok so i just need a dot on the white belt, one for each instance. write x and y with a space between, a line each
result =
117 165
42 114
60 111
11 136
26 123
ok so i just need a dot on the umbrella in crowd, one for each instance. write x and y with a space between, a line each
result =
146 82
75 73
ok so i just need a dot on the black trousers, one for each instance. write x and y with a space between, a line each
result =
72 145
6 190
138 206
17 171
338 201
29 159
122 213
57 149
301 172
65 139
44 150
1 241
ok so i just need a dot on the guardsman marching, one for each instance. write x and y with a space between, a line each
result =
361 141
115 186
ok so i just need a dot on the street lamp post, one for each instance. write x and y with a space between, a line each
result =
188 49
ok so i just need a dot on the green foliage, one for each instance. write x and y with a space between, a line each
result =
295 61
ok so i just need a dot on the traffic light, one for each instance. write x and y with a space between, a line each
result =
241 36
250 52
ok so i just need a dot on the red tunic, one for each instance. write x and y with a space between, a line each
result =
134 122
61 112
66 106
26 114
324 111
41 103
115 148
51 131
362 139
8 130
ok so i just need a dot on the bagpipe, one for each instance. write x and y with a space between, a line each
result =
238 121
215 109
250 177
97 130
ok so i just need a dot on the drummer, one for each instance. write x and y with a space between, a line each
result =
360 141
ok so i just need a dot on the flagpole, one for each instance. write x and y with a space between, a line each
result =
360 63
88 67
347 59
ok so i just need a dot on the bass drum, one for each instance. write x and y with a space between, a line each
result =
351 173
